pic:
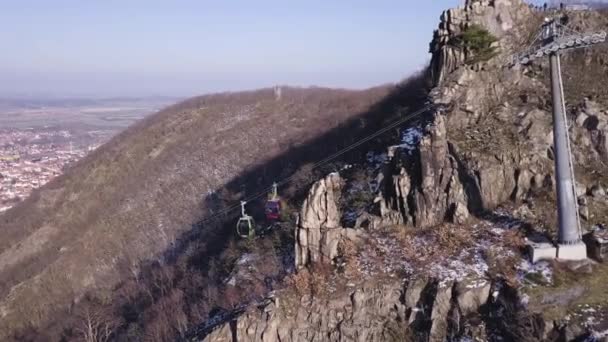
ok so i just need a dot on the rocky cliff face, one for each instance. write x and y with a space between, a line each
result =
462 164
499 135
389 312
490 144
421 190
503 18
319 231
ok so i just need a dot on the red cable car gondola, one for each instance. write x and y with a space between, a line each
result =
273 205
273 210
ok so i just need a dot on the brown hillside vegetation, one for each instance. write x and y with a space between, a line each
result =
133 198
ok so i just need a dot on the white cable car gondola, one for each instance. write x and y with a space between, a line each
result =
245 227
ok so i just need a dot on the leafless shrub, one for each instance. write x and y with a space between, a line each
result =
514 239
311 281
412 249
167 319
349 251
96 325
452 238
300 282
502 266
232 296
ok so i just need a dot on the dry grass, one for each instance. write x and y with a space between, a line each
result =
311 282
501 267
442 240
592 282
349 251
514 239
132 198
452 238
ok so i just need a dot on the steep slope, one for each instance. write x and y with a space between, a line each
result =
436 250
131 200
423 239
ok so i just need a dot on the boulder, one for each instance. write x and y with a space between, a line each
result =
597 192
318 232
413 299
472 294
581 118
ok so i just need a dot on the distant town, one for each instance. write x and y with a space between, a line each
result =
40 138
31 158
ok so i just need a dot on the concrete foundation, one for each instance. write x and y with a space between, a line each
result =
572 252
541 251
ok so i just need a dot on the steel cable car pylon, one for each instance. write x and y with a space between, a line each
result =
553 39
245 227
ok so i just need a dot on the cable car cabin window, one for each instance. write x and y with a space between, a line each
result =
273 209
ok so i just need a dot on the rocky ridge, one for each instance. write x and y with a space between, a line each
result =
489 147
382 293
370 313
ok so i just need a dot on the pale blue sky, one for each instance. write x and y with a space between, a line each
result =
186 47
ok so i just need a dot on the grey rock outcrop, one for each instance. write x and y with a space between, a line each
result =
499 17
471 295
444 181
370 313
494 142
439 315
318 232
421 192
592 123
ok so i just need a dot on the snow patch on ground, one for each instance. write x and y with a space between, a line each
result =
376 159
475 284
387 255
594 318
418 255
410 138
246 258
597 336
466 265
524 299
350 217
542 268
465 339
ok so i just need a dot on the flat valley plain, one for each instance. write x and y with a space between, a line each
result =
78 115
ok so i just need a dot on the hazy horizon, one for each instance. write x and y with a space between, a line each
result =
69 48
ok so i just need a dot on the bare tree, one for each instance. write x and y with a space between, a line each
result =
96 325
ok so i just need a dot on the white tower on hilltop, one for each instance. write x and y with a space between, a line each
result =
277 93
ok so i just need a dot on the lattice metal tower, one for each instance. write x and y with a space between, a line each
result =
553 39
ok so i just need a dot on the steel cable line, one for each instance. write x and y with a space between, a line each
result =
322 162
